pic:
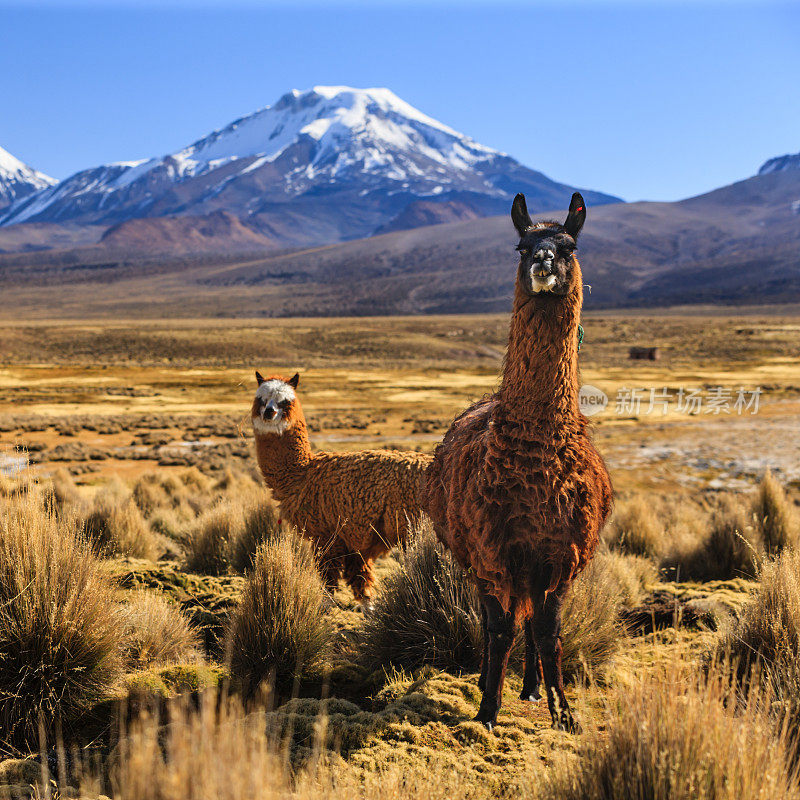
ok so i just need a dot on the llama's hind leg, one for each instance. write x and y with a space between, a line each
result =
330 557
500 629
485 654
358 576
533 666
547 635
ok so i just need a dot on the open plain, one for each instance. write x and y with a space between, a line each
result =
154 415
124 396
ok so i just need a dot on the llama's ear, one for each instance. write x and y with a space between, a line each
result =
576 217
259 378
520 216
294 380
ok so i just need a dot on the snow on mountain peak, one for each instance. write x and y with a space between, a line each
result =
365 145
322 136
17 179
372 129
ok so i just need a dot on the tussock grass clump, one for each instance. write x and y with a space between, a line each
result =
59 633
260 525
116 526
63 494
187 493
729 548
149 495
590 628
279 627
209 540
635 528
775 516
218 752
676 737
761 648
156 632
222 752
766 636
237 484
167 523
425 612
630 576
8 486
193 479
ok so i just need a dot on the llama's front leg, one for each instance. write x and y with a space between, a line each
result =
533 666
500 629
547 635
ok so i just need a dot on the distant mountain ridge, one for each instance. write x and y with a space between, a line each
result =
739 244
18 180
326 165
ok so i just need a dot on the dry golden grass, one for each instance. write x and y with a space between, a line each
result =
590 632
59 634
636 528
63 493
766 637
676 736
222 752
115 525
156 632
146 401
425 612
210 538
727 547
775 516
279 631
260 524
631 576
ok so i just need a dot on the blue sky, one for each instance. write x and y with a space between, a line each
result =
644 100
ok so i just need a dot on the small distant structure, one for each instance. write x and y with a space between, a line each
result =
644 354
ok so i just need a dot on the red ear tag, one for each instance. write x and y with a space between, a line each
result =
578 209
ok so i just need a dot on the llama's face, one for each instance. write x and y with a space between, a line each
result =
546 264
274 405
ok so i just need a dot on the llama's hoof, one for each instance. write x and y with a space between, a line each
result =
567 723
530 697
487 719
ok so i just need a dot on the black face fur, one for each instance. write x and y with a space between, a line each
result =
546 249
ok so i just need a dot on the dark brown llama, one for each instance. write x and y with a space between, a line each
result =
516 489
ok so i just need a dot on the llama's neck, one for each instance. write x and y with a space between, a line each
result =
540 374
284 458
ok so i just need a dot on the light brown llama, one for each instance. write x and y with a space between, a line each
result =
353 507
516 489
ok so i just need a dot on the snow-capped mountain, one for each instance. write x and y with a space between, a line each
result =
780 164
18 180
324 165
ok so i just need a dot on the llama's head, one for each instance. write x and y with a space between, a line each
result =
547 265
275 406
